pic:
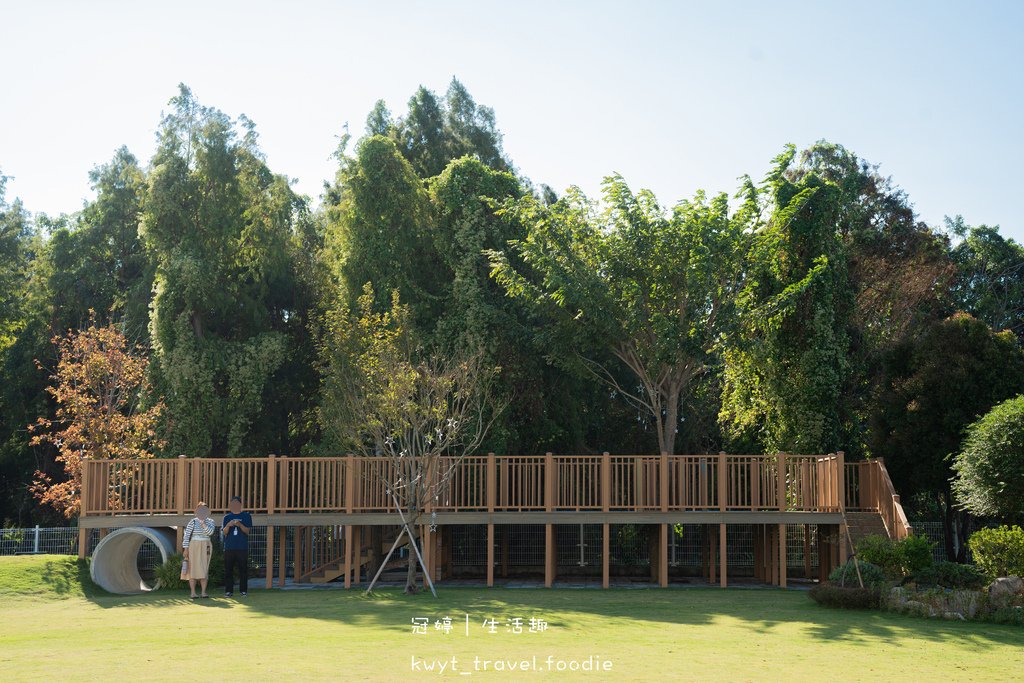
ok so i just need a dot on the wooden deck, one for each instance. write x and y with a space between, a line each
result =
349 492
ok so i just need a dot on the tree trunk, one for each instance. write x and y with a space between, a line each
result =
410 574
671 423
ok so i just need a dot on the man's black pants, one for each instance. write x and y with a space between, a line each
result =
233 559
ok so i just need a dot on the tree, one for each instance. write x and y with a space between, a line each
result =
786 364
654 291
219 226
990 466
933 387
98 386
420 416
15 232
378 229
434 132
990 276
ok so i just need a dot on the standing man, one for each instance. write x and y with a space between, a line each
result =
236 528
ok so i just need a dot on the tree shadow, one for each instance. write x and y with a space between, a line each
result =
761 610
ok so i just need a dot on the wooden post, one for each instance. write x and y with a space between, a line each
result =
181 487
723 496
663 557
712 559
271 501
773 554
605 554
549 555
782 555
722 550
348 555
606 482
350 483
550 490
492 482
841 486
85 498
428 553
781 484
490 554
663 481
357 557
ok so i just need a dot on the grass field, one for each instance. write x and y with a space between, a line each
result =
54 625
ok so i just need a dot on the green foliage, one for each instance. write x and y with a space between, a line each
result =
846 597
883 552
934 386
218 224
952 575
989 268
896 558
999 552
789 360
846 575
169 573
990 468
626 281
916 553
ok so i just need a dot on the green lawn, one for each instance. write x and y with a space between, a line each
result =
54 625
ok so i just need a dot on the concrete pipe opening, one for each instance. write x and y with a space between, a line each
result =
115 561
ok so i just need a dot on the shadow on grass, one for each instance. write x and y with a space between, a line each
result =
759 610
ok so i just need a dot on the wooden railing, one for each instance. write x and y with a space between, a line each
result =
869 489
632 483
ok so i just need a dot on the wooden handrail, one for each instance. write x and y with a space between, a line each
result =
486 483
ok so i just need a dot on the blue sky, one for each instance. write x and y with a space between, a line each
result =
675 96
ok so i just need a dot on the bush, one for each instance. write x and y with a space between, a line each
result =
950 575
999 552
990 469
896 558
169 573
882 552
846 597
846 575
916 553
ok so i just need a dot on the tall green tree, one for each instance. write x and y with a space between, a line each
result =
787 363
219 226
990 468
435 132
934 387
655 291
990 275
379 221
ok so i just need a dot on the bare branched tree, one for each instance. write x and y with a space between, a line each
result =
414 418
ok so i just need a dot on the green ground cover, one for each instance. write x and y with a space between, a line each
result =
54 625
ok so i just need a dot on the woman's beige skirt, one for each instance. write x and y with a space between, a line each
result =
199 559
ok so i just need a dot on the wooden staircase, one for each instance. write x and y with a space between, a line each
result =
863 524
334 568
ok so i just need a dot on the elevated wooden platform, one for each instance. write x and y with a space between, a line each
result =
349 495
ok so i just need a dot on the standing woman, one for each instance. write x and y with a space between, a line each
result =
197 549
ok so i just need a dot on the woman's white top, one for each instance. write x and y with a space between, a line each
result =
198 530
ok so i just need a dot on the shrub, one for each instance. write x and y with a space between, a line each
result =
990 469
950 575
999 552
846 597
896 558
169 573
846 575
916 554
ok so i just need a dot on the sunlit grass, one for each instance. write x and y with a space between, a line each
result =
53 628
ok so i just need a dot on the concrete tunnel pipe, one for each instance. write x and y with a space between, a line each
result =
114 565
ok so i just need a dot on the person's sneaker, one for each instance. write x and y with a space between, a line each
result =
244 594
229 595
